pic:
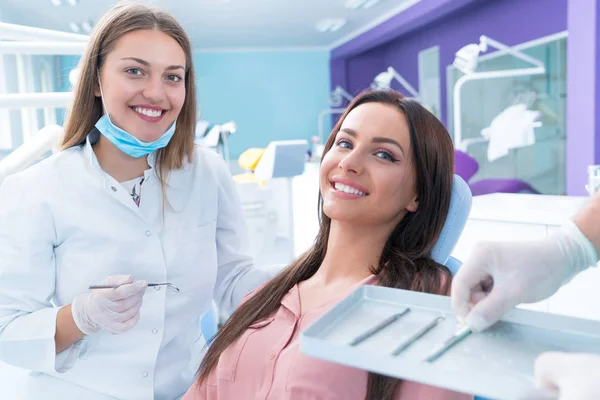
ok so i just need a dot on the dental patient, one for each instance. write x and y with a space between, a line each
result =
385 187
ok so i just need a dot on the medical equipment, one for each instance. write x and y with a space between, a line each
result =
384 81
496 363
466 61
388 321
216 137
337 96
419 334
336 99
448 343
280 159
169 286
321 122
593 185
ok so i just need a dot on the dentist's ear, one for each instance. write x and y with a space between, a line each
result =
97 85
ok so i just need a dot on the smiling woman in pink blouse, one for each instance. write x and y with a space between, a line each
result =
385 187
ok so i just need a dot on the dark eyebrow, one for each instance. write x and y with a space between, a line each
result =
147 64
376 139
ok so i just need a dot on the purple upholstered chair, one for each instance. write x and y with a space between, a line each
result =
466 166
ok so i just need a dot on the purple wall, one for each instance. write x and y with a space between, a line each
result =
449 24
583 88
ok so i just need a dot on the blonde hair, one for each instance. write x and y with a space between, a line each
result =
86 108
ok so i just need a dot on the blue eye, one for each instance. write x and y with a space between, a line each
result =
384 155
344 144
174 78
134 71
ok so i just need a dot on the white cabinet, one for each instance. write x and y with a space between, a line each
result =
523 217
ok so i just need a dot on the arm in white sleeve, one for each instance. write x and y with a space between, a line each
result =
27 280
236 275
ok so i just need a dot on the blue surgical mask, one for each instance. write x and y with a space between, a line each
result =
125 141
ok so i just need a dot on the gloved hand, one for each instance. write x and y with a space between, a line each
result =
113 310
574 376
501 275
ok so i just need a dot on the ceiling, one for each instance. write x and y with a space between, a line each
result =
225 24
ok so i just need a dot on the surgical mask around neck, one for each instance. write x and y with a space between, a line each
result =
125 141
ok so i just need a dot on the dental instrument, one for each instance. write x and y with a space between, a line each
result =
448 343
167 284
417 335
380 326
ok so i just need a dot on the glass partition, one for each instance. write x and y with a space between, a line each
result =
429 79
542 164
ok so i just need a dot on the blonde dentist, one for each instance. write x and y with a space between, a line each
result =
129 200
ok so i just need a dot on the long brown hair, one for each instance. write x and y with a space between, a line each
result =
86 108
406 261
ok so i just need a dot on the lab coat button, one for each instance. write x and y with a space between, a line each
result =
272 356
148 233
145 374
155 331
114 189
157 288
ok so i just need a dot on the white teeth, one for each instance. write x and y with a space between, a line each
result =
148 112
348 189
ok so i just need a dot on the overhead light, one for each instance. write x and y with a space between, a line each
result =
74 27
72 2
87 26
330 24
355 4
55 2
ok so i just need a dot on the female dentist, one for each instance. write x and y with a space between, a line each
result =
501 275
127 202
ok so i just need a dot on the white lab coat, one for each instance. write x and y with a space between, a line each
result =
65 224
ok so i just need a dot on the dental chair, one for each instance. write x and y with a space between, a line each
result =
460 207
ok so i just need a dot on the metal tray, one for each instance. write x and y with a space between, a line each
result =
497 363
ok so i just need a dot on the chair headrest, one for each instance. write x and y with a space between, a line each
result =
460 207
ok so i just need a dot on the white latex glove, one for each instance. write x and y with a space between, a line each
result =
573 376
501 275
113 310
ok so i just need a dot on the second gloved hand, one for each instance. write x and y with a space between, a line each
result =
574 376
501 275
113 310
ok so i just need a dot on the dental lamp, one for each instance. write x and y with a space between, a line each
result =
337 96
384 81
467 59
216 137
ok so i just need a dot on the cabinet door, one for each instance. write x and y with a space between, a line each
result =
483 230
580 297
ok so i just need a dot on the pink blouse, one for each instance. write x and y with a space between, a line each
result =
266 363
